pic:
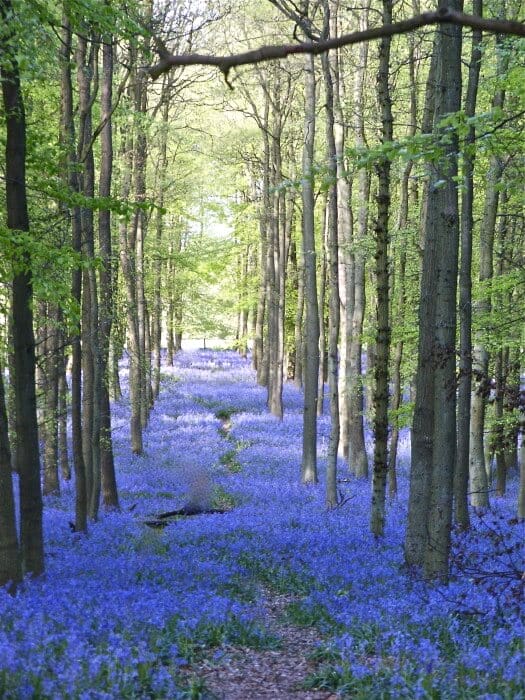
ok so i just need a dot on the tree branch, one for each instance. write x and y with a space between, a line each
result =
272 52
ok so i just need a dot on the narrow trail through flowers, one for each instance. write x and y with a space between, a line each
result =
244 673
268 595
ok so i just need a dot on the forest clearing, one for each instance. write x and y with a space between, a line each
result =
324 496
135 612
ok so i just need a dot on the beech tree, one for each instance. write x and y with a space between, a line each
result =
291 226
27 452
430 509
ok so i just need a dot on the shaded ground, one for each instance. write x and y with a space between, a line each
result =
250 674
231 605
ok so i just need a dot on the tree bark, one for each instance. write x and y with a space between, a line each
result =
50 359
444 217
10 568
423 420
107 464
127 265
311 328
357 457
333 279
381 371
67 135
26 427
87 79
345 234
465 289
480 356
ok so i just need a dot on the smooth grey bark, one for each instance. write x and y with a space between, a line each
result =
461 474
116 351
311 325
127 246
156 329
299 323
63 448
87 81
498 436
174 310
139 225
322 277
280 92
261 356
49 362
345 232
67 138
108 483
422 439
357 457
333 279
479 486
279 240
444 218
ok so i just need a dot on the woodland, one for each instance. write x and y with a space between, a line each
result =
262 330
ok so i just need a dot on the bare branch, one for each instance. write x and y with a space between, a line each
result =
272 52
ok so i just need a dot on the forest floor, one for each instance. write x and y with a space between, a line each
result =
246 673
268 594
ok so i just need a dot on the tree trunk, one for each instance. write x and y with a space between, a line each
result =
63 450
333 280
10 569
51 483
261 343
322 314
357 457
27 455
67 135
87 69
127 249
521 454
444 218
299 323
423 420
345 236
311 327
380 394
400 305
107 465
465 290
139 225
480 355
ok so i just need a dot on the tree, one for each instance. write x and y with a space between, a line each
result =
311 332
106 281
70 177
480 354
10 569
461 473
432 510
381 372
27 453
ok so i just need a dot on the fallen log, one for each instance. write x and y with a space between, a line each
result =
161 520
190 510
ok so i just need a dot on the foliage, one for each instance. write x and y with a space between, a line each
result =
182 594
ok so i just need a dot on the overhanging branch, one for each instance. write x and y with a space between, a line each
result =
270 53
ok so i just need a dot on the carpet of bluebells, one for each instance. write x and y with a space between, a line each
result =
124 611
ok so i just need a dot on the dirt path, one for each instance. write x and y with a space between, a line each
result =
243 673
255 674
